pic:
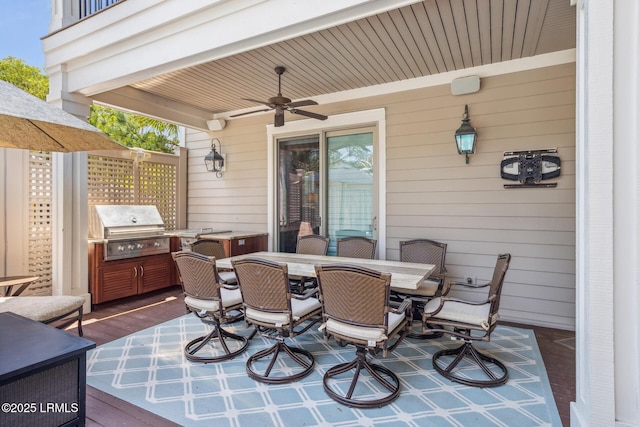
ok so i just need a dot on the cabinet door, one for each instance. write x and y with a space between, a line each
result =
116 279
154 272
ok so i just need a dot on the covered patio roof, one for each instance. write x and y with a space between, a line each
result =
328 51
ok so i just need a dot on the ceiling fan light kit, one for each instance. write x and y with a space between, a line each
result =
281 104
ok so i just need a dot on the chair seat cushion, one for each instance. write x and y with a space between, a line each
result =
476 315
426 288
364 332
41 308
228 277
299 307
230 297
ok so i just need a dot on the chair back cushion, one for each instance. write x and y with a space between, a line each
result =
354 295
312 245
357 247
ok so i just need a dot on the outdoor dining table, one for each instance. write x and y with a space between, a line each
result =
407 275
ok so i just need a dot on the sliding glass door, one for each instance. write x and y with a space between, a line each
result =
349 186
298 190
326 186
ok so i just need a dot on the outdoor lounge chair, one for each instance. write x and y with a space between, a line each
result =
469 321
214 303
276 312
58 310
355 310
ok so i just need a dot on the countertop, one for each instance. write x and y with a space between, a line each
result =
220 235
230 235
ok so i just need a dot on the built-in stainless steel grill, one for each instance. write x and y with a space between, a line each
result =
128 231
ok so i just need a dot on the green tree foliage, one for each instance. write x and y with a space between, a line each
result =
135 131
128 129
26 77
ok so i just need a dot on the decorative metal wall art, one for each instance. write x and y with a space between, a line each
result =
530 167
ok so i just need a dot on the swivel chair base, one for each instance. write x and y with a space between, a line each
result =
375 370
479 359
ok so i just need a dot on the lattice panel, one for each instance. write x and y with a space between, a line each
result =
157 186
40 222
116 181
111 181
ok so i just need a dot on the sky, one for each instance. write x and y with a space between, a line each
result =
22 24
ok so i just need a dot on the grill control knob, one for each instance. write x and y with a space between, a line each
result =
140 246
130 247
156 244
120 248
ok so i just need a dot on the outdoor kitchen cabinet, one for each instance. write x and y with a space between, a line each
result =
110 280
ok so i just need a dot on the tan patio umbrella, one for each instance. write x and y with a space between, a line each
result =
28 122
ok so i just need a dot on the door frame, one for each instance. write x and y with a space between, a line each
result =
374 117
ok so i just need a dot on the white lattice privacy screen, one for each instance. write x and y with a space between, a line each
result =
40 222
111 181
123 181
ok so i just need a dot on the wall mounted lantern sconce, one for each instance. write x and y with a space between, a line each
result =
214 160
466 136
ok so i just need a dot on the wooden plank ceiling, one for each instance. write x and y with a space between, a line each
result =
426 38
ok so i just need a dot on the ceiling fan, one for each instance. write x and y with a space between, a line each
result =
281 104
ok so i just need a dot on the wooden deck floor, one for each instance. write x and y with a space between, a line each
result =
114 320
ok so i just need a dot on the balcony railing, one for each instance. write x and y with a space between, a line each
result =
89 7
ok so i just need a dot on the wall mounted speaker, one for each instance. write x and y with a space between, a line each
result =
464 85
216 124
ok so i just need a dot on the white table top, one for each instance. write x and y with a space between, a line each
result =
405 275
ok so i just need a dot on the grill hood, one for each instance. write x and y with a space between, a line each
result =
124 221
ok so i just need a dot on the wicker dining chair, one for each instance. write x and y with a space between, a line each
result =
276 313
469 321
356 247
214 248
213 302
312 244
423 251
356 310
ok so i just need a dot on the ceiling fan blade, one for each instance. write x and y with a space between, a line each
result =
279 118
302 103
250 112
259 102
308 114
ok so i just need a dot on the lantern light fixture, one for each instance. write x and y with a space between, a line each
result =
466 136
214 160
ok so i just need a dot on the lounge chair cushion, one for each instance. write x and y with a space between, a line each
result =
41 308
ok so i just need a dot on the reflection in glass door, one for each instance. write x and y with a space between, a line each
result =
349 185
298 190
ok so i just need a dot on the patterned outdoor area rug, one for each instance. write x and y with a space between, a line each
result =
148 369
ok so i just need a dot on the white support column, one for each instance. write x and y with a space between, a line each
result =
595 397
608 215
70 257
626 211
